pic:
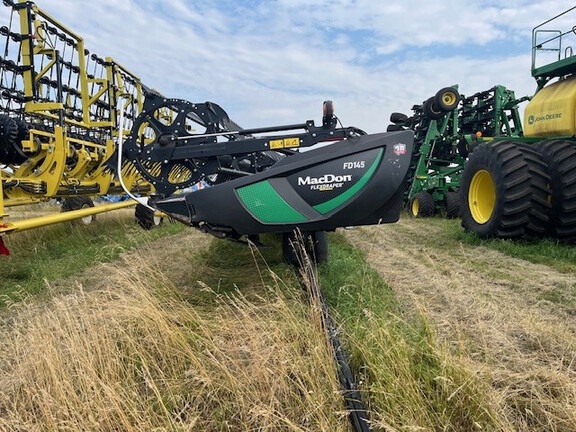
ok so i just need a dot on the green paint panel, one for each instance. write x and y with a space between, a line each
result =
264 203
330 205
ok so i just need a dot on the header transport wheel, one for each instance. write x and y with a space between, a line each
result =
78 203
495 192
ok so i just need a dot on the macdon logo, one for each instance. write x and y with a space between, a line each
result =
325 183
328 178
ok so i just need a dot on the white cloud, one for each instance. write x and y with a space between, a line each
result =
274 62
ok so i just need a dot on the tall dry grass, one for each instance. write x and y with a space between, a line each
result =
507 318
134 355
410 378
137 357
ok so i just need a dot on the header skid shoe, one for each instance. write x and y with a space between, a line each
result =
357 181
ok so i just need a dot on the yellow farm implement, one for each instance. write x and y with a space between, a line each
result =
59 120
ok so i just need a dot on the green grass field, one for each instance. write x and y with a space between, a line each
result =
173 330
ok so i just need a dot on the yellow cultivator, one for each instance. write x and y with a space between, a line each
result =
59 120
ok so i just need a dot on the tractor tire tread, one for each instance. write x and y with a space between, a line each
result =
560 155
511 175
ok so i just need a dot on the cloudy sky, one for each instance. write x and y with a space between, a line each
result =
270 62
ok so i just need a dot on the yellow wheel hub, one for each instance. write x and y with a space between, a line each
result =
449 98
415 207
482 196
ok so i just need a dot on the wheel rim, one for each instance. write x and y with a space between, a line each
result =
482 196
86 220
449 98
415 207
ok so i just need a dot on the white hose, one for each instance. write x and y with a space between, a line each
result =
141 200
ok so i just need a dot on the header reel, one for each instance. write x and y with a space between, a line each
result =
176 144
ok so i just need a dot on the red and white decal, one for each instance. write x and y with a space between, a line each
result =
399 149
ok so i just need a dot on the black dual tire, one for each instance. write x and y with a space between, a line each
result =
539 218
447 99
421 205
394 128
444 101
8 137
315 246
452 205
504 192
431 110
560 157
12 132
465 148
23 134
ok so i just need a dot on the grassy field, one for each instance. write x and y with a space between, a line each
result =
505 308
48 254
109 327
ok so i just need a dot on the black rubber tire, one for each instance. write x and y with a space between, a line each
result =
145 217
422 205
509 171
328 109
19 156
560 157
394 128
77 203
540 186
8 137
315 245
465 148
447 99
431 111
452 205
397 117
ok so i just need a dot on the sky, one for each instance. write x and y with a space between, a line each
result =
272 62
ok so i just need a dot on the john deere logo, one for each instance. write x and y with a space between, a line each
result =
533 119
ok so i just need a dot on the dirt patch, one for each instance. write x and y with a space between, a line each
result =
514 321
